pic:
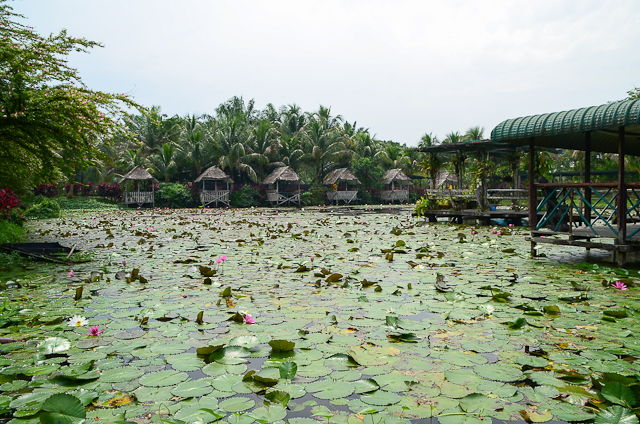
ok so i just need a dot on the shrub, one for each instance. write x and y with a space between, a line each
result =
173 195
10 232
244 196
316 196
47 190
86 189
110 191
45 209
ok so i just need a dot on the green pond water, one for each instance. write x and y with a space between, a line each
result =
359 318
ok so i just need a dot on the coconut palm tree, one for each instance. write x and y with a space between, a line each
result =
154 129
290 151
164 162
323 146
261 147
428 140
392 156
196 148
293 120
452 137
474 133
230 138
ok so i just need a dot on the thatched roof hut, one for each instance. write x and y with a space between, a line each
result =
138 173
445 178
282 174
215 174
342 174
138 197
394 175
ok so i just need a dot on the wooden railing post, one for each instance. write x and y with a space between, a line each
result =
533 201
622 189
587 174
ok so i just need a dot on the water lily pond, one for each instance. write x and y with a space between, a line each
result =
242 316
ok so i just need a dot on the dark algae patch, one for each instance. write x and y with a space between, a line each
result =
301 317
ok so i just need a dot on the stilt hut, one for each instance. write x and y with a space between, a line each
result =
349 182
288 181
397 186
211 192
132 179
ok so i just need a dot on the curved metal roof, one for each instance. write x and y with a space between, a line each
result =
566 130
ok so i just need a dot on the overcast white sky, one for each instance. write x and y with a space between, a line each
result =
399 68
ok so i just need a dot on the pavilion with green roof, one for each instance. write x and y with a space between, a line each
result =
587 210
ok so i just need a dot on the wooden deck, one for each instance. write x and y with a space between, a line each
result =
606 239
473 214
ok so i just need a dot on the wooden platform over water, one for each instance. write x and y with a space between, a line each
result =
484 217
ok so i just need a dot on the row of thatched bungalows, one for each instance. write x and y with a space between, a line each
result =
283 187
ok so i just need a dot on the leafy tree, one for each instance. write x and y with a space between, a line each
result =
633 94
368 172
50 122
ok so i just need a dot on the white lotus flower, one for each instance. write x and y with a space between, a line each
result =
78 321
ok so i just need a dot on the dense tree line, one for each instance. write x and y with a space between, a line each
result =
248 144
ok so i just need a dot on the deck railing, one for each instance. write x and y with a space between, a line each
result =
565 206
342 196
394 195
138 197
277 198
214 196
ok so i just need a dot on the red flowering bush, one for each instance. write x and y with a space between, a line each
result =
47 190
9 206
110 191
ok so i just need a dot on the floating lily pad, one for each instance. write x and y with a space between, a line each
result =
330 389
163 378
380 398
236 404
498 372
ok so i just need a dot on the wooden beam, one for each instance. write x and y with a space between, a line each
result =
622 189
533 201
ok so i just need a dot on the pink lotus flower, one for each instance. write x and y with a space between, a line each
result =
248 319
70 275
619 285
510 225
223 257
94 331
313 258
473 232
218 260
124 263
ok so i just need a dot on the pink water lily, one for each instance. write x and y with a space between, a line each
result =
619 285
223 258
248 319
94 331
70 275
218 260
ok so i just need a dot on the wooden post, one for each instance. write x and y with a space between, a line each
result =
533 201
622 190
587 174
